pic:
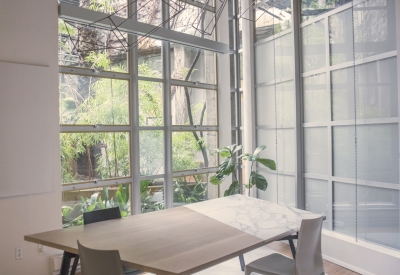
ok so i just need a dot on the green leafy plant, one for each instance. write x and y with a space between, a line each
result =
228 167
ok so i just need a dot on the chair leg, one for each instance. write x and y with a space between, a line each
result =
292 248
241 260
247 270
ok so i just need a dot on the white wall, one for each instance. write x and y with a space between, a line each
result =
28 35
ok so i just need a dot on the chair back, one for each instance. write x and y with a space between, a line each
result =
99 262
309 256
101 215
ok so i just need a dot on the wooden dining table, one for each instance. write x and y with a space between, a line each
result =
186 239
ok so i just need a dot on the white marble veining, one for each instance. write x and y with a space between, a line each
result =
263 219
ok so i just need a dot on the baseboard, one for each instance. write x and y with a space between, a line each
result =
346 265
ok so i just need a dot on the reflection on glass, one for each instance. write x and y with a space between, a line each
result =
151 145
149 57
192 20
284 104
377 152
282 67
193 106
317 199
77 202
313 46
374 27
285 160
341 37
152 195
93 48
192 64
315 98
272 19
149 11
193 188
89 156
314 8
191 150
316 150
376 86
286 193
150 103
86 100
377 213
233 110
105 6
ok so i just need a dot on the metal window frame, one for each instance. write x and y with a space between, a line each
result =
132 76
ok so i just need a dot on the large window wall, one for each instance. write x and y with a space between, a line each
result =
138 124
338 95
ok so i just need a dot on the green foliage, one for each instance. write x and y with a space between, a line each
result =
184 193
228 166
73 216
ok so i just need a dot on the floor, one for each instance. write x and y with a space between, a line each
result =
232 267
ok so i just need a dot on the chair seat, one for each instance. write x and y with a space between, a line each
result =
130 271
274 264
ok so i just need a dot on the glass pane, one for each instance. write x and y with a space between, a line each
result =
192 20
193 106
194 188
192 64
151 152
341 37
374 27
282 69
149 57
232 59
87 47
377 152
314 8
317 199
313 46
285 160
286 193
379 215
104 6
86 100
149 11
77 202
272 19
271 194
342 88
150 103
376 84
191 150
241 70
232 23
89 156
344 210
316 150
240 26
284 104
315 98
152 195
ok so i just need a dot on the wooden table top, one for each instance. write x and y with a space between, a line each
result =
174 241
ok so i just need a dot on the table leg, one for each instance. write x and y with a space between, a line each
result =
76 259
66 262
292 248
242 264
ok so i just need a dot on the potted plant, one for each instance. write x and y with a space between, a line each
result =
228 167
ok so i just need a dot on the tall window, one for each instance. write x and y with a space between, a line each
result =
349 121
137 126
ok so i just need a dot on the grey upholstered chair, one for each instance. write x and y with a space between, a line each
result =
99 216
308 256
100 262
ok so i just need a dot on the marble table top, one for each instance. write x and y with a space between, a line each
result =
263 219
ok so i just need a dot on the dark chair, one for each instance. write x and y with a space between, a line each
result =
308 256
101 215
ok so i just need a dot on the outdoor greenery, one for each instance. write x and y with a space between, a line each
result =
228 167
87 100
